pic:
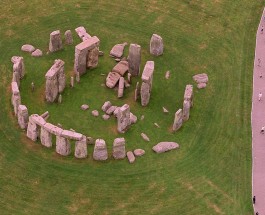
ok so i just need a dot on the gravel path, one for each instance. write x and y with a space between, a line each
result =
258 121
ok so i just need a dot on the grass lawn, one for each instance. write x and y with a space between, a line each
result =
209 174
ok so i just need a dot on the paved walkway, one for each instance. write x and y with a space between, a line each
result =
258 121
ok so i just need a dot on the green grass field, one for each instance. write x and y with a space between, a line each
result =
209 174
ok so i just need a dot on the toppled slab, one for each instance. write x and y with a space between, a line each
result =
28 48
201 78
121 67
131 157
139 152
36 53
145 137
165 146
117 50
112 79
110 110
84 107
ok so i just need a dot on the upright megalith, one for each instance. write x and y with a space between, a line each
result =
15 99
134 59
81 32
22 116
100 150
186 110
86 55
156 45
68 37
56 43
123 118
81 148
45 137
147 80
55 81
63 146
33 130
178 120
188 95
121 87
18 66
118 150
16 78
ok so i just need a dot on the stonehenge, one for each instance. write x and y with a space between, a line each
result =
130 156
63 146
186 110
55 43
22 116
55 81
139 152
123 118
137 92
119 148
121 87
134 59
37 53
201 80
178 120
156 45
188 95
147 79
100 150
86 55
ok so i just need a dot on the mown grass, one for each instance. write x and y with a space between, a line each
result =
210 174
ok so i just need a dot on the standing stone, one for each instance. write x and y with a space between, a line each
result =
15 99
145 94
81 148
45 137
55 41
37 53
123 118
188 95
137 92
32 131
60 99
134 59
178 120
156 45
100 150
63 146
92 58
52 89
18 66
106 106
117 50
16 78
68 37
72 81
121 87
23 116
186 110
119 148
59 65
77 77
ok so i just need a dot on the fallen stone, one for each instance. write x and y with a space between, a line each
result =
84 107
106 106
145 93
28 48
165 146
145 137
100 150
167 75
68 37
37 53
188 95
178 120
105 116
112 79
165 110
111 109
156 45
201 85
115 113
118 150
117 50
201 78
133 118
45 138
131 157
121 87
95 113
81 148
121 68
139 152
56 43
134 59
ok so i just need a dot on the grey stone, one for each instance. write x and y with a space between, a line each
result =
165 146
22 116
55 41
81 148
131 157
145 93
45 137
117 59
137 91
145 137
118 150
139 152
134 59
117 50
56 130
84 107
95 113
121 87
201 78
112 79
148 72
28 48
121 68
115 113
82 33
71 135
63 146
92 58
100 150
111 109
15 99
178 120
186 110
18 66
105 116
37 53
123 118
188 95
68 37
16 78
156 45
106 106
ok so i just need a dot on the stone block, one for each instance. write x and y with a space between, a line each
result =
100 150
81 148
156 45
118 150
134 59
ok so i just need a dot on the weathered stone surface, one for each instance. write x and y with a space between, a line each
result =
123 118
16 101
145 93
63 146
178 120
121 67
117 50
131 157
68 37
201 78
106 106
147 75
18 66
37 53
201 85
137 91
81 32
121 87
115 113
167 75
156 45
32 132
53 129
112 79
145 137
165 110
28 48
45 137
22 116
186 110
165 146
95 113
110 110
56 43
15 59
84 107
105 116
133 118
117 59
86 55
14 88
139 152
134 59
100 150
188 95
45 115
77 77
38 120
71 135
59 67
81 148
118 150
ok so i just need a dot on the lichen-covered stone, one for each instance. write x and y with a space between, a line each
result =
55 41
117 50
165 146
188 95
186 110
145 93
32 131
45 137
